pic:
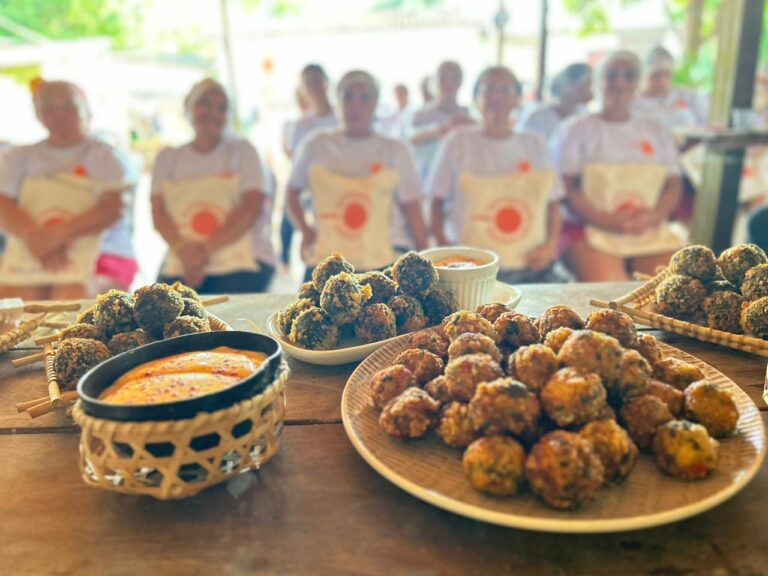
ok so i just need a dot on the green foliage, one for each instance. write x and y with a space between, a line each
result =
594 14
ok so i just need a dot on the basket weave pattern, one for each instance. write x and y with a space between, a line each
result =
176 459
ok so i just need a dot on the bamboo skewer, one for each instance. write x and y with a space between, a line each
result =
57 325
26 360
215 300
47 308
47 406
24 331
54 391
66 398
47 339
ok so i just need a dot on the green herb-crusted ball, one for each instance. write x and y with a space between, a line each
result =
755 283
185 325
723 311
414 274
87 316
438 304
186 291
408 312
287 315
382 288
754 318
114 313
155 306
79 330
375 322
696 261
194 308
313 329
74 357
307 291
720 286
343 297
125 341
680 296
331 266
737 260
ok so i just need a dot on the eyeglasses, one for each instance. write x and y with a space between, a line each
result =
628 75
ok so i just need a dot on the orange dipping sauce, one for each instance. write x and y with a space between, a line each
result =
459 262
183 376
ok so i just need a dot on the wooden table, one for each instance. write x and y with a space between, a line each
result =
318 508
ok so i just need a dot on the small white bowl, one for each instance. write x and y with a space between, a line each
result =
471 286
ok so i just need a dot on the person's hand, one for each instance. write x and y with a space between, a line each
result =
641 221
541 257
56 261
45 242
193 255
309 237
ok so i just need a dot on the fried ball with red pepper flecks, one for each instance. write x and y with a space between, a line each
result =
464 321
649 348
755 283
723 311
504 406
559 316
591 351
438 389
533 366
414 274
409 315
670 395
571 397
754 318
328 268
613 446
438 304
614 323
696 261
454 426
564 470
470 343
382 288
432 340
712 407
390 382
679 296
516 330
422 363
734 262
642 416
492 311
410 414
375 322
633 378
685 450
676 372
463 374
557 337
495 465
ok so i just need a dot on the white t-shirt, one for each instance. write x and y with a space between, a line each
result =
357 158
544 119
232 156
305 126
428 118
469 150
678 108
100 161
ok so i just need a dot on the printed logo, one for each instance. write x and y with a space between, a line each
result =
505 220
350 216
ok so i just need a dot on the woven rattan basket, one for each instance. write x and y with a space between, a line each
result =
176 459
639 305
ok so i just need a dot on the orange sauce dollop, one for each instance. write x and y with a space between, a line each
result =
459 262
183 376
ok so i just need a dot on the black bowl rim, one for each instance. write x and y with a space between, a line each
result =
187 408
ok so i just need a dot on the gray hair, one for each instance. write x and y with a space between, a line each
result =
357 77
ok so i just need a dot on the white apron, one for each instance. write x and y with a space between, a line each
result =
353 216
198 208
506 214
615 187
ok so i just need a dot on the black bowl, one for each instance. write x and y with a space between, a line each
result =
101 377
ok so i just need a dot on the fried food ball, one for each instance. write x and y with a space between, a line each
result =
414 274
454 426
720 286
755 283
495 465
613 446
388 272
734 262
464 321
186 291
614 323
670 395
559 316
533 365
390 382
571 397
684 450
74 357
463 374
504 406
564 470
634 375
410 414
307 291
591 351
376 322
438 304
114 313
724 311
469 343
424 365
343 298
193 308
642 416
79 330
155 306
87 316
492 311
696 261
409 315
649 348
287 315
712 407
185 325
754 318
679 296
313 329
125 341
382 288
557 337
516 330
328 268
438 389
677 373
432 340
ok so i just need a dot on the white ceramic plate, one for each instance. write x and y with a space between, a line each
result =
353 351
431 471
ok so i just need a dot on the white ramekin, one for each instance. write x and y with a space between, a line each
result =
471 286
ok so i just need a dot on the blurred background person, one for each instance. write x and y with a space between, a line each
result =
397 124
211 202
425 88
364 188
622 182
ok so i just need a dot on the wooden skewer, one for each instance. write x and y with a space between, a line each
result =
47 339
214 301
45 308
54 391
26 360
24 331
57 325
66 397
46 407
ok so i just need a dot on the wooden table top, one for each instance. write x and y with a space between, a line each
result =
318 508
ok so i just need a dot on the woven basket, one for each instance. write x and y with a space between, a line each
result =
639 305
176 459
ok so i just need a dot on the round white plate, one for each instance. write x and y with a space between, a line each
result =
354 352
431 471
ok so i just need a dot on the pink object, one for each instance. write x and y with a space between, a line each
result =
117 268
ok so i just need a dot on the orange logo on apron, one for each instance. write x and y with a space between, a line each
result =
351 215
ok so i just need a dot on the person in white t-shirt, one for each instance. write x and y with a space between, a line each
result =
515 227
615 137
214 153
571 91
355 151
438 117
63 109
397 124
